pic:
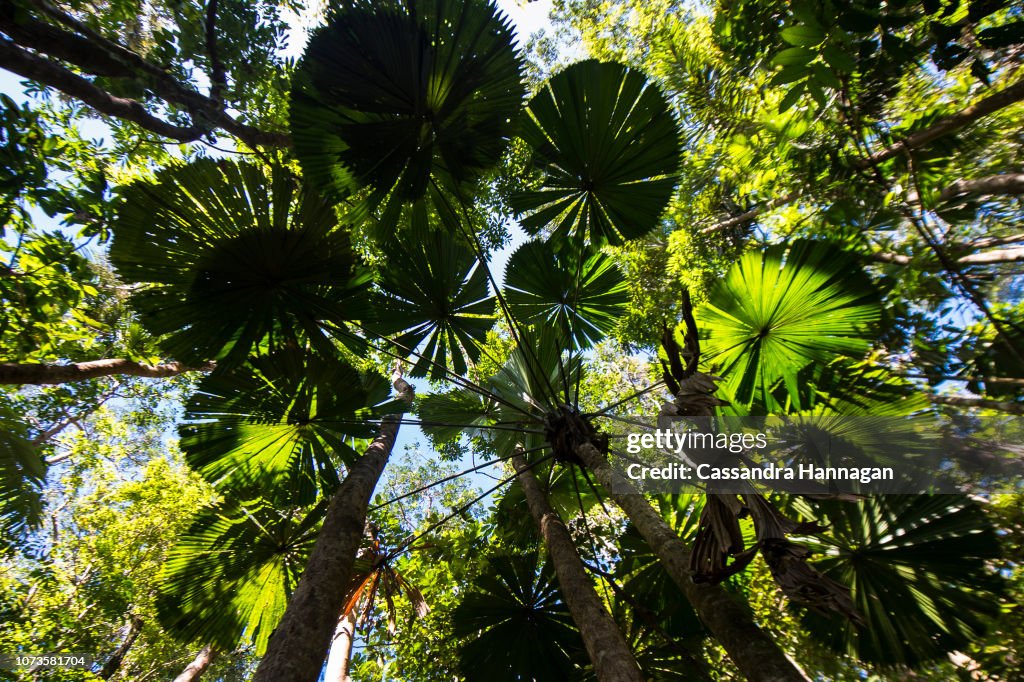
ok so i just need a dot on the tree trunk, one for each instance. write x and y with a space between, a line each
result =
36 373
341 650
194 670
117 658
298 646
753 651
613 661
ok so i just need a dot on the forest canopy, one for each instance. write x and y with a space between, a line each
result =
326 328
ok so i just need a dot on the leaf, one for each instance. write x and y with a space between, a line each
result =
395 95
232 257
792 96
794 56
230 574
607 149
802 35
278 425
518 623
22 476
435 297
1002 36
580 295
918 570
839 59
778 311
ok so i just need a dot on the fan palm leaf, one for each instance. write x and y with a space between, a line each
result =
917 570
280 425
520 626
436 302
231 256
607 148
774 313
392 95
581 295
230 574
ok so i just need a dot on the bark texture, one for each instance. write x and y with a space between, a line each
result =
613 661
341 650
113 663
194 670
38 373
753 651
298 647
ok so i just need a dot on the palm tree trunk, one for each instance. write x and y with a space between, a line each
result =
297 649
613 661
753 651
194 670
341 650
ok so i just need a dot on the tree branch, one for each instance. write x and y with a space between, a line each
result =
998 405
982 108
979 109
751 214
1014 255
1007 183
38 373
94 54
218 79
46 72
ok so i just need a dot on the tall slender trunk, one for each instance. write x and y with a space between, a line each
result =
753 651
613 661
340 658
297 649
194 670
117 658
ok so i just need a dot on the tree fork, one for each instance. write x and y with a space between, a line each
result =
610 654
753 651
298 647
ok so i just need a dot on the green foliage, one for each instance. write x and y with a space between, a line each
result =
775 313
234 256
606 147
581 295
434 291
436 83
917 567
520 625
278 427
230 574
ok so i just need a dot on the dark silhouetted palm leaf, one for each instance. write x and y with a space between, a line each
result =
230 574
917 569
435 294
279 425
776 312
607 147
22 475
582 301
521 629
232 256
391 95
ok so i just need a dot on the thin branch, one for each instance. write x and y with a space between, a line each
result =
1006 183
751 214
218 79
411 541
981 403
1014 255
438 482
1009 381
41 373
